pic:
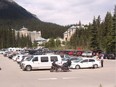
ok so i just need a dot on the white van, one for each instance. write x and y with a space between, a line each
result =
40 62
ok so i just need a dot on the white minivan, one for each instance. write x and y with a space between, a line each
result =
40 62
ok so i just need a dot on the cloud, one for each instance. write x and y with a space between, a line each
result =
67 11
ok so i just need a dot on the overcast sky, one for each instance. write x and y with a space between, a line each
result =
66 12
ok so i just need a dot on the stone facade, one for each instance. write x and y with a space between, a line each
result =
33 34
23 32
68 34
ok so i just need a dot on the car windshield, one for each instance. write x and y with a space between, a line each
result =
29 58
72 59
75 61
64 59
67 56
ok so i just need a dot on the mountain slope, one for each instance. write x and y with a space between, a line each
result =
14 16
11 10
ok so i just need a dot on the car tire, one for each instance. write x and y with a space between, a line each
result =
95 66
22 67
77 67
51 70
58 69
28 68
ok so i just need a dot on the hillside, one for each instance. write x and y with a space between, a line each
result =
14 16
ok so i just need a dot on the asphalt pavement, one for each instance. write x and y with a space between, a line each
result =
12 76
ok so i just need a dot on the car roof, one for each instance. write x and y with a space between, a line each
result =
47 55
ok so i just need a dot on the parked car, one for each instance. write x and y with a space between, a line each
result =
87 54
40 62
19 58
86 63
2 51
77 53
110 56
65 56
71 53
27 58
15 57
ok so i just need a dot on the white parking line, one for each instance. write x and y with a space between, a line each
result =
70 77
47 78
64 78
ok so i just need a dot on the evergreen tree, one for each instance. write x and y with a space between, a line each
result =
52 42
80 38
29 42
57 43
35 44
74 40
17 39
111 48
94 33
99 30
107 31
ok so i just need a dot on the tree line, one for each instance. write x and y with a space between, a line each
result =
100 34
48 30
8 38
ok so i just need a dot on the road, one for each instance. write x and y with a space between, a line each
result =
12 76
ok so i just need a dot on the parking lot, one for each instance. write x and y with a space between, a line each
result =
12 76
